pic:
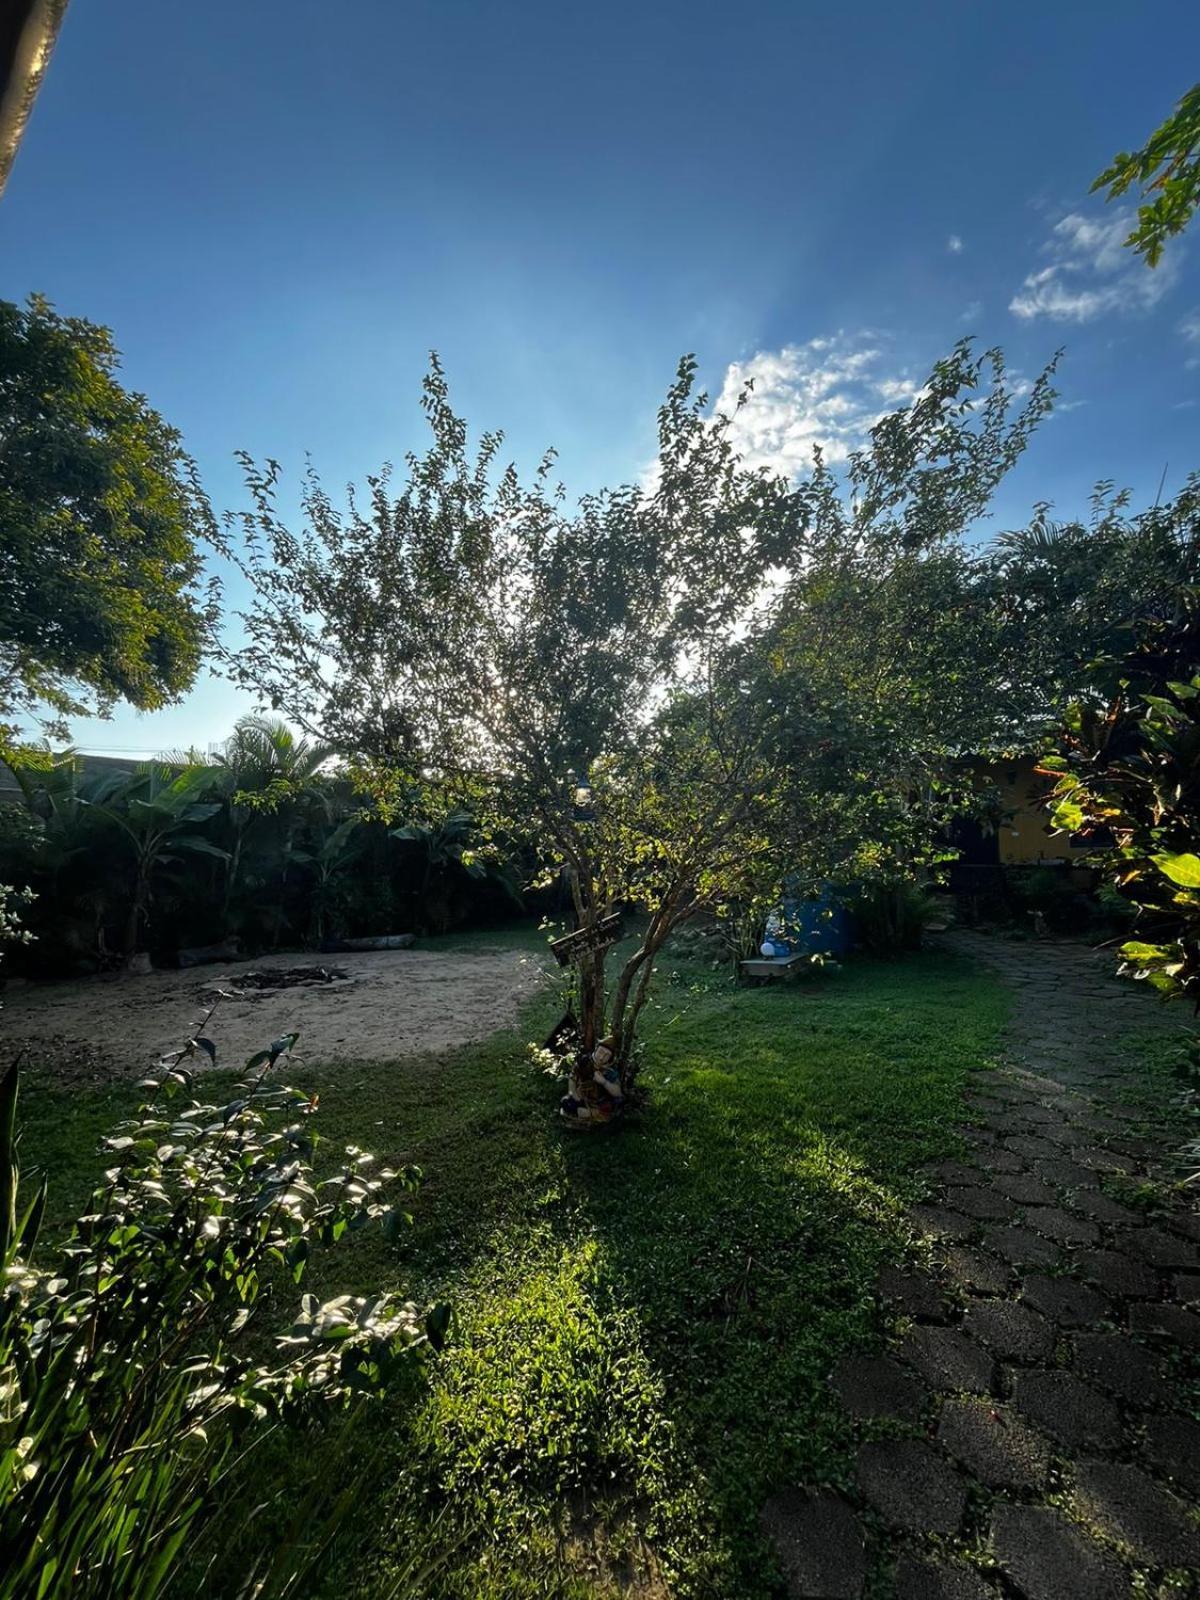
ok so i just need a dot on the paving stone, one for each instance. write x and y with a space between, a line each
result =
994 1444
993 1076
1134 1511
980 1101
1117 1274
1050 1559
1031 1145
1022 1247
875 1386
1140 1149
1099 1122
980 1200
1036 1113
1157 1247
911 1486
973 1133
927 1580
1013 1331
818 1543
998 1160
1172 1447
1095 1203
999 1119
1066 1174
1122 1367
1069 1106
1186 1223
1066 1408
1185 1287
1070 1304
1054 1223
917 1294
947 1359
1062 1134
939 1223
951 1172
1098 1159
1026 1189
1123 1113
976 1269
1015 1094
1165 1322
1017 1123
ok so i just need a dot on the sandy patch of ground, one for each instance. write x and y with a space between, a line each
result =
391 1004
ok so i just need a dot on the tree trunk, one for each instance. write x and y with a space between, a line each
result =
591 999
133 921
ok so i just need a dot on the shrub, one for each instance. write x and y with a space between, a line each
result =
129 1381
1048 893
891 917
1128 771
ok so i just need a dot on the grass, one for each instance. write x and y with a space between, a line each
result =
645 1319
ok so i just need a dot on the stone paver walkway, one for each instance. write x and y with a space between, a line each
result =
1031 1431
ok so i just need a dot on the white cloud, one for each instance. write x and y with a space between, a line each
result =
955 245
1189 327
1091 273
828 392
972 311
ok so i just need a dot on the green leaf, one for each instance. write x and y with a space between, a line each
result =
1135 950
1069 816
1183 869
195 845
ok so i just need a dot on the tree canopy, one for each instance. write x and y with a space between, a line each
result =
100 596
1166 173
640 681
1128 762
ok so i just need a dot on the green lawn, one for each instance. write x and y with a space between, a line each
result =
645 1319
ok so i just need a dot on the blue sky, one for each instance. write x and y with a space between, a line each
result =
280 207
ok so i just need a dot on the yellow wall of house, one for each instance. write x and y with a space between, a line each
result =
1024 832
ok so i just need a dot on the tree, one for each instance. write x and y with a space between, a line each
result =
1071 597
266 775
100 514
1128 763
1167 167
602 676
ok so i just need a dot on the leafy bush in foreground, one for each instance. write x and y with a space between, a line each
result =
129 1382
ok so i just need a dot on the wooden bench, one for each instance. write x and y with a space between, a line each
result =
767 967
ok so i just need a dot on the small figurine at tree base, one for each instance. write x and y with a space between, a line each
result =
594 1097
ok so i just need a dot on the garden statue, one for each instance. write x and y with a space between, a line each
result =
594 1098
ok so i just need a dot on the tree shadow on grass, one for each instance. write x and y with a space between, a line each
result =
746 1215
647 1319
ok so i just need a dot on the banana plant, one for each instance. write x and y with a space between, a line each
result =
332 856
151 813
454 842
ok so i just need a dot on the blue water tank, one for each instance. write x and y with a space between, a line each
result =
820 925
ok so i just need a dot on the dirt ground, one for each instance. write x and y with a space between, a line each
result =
385 1006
